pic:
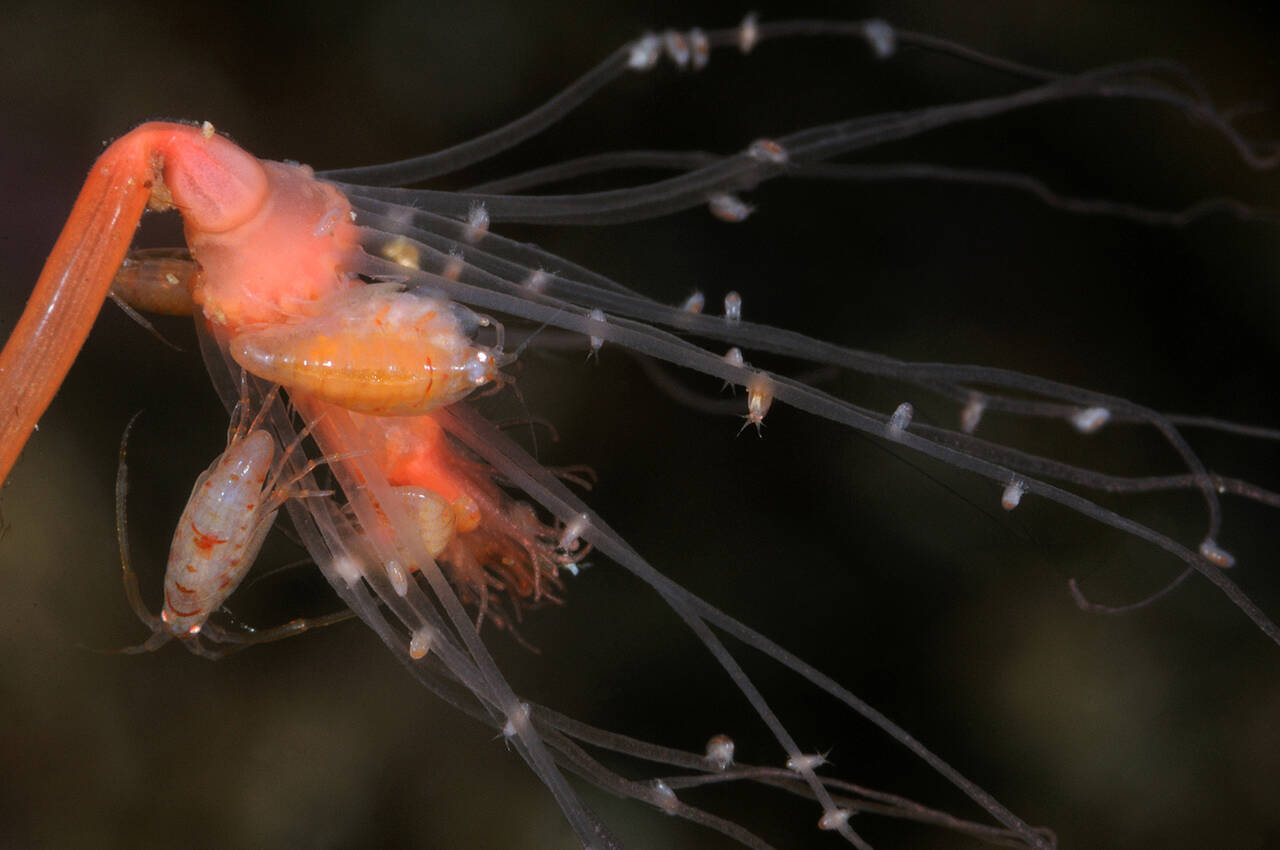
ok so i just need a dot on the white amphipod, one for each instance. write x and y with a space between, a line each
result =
900 421
221 530
232 507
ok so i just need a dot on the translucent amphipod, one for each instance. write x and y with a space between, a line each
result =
232 506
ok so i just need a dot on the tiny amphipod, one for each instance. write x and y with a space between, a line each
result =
729 207
232 507
900 421
759 400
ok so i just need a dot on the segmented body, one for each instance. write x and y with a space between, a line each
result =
376 349
231 509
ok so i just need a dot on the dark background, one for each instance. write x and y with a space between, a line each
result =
899 577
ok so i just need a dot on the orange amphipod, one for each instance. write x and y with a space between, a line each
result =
374 349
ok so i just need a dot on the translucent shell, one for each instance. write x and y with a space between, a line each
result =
220 533
375 349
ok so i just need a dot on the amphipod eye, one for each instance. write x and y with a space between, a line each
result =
375 349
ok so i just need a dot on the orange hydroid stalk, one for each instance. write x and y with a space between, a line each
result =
215 184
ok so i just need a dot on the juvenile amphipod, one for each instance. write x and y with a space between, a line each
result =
971 415
666 798
420 644
748 32
900 420
767 150
805 761
694 303
1090 419
1012 495
376 349
477 222
403 252
597 342
834 819
645 53
729 207
881 36
677 47
1216 554
733 308
699 47
454 265
517 721
537 281
720 751
759 400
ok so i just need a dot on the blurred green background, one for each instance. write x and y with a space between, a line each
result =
900 578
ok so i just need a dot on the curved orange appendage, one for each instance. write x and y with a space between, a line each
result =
214 183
